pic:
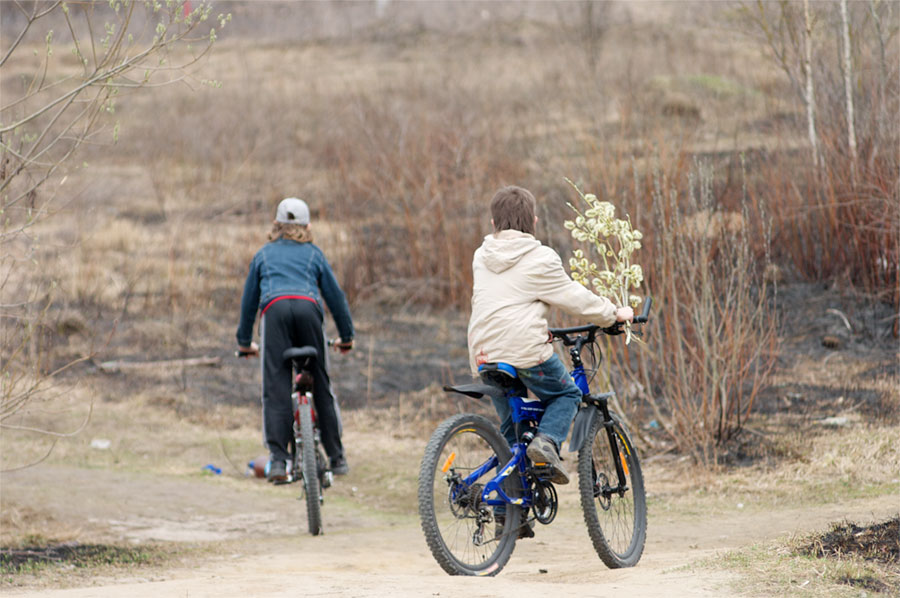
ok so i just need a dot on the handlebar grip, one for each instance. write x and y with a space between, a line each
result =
648 301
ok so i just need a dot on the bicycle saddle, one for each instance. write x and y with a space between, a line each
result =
503 375
300 353
499 378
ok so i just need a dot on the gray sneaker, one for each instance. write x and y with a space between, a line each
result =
339 466
276 472
542 452
526 530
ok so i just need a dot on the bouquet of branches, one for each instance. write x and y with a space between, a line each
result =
615 241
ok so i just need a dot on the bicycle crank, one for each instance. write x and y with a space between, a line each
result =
546 502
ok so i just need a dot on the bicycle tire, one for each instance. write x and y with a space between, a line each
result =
310 470
617 524
451 526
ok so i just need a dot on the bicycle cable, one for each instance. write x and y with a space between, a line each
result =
591 372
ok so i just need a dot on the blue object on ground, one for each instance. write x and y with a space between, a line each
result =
214 469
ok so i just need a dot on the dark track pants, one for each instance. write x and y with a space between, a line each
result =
290 323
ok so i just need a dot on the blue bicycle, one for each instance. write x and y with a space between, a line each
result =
477 495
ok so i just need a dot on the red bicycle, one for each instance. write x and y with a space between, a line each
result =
308 463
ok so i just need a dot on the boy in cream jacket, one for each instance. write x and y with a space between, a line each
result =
516 280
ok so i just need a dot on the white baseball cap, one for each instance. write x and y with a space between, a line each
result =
292 210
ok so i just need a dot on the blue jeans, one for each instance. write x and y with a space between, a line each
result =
553 385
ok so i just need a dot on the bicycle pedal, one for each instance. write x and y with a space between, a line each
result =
542 470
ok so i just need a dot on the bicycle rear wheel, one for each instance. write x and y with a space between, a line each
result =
615 514
461 531
310 470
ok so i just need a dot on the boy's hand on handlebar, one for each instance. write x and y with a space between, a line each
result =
624 314
251 351
344 346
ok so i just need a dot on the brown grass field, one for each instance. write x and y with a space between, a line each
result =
397 121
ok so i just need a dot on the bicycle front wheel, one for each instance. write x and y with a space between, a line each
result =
463 533
615 510
310 470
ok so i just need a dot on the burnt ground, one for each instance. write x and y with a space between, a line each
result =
821 323
406 349
878 542
75 554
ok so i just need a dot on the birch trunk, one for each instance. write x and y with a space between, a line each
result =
810 92
883 119
848 90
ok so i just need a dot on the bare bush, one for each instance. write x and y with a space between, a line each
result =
53 103
413 184
712 344
717 338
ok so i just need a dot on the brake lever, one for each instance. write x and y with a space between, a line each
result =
615 329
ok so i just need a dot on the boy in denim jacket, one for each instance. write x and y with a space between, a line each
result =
287 281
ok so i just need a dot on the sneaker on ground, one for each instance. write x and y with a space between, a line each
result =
339 466
277 472
543 451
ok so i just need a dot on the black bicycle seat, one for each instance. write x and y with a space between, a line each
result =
502 375
298 353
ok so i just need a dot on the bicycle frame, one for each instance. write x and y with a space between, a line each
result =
523 411
301 394
598 402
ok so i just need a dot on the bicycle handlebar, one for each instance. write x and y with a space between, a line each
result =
642 319
591 329
334 342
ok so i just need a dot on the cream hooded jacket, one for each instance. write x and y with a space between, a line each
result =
516 280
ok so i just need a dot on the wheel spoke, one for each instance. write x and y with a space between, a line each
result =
617 515
614 509
459 521
458 527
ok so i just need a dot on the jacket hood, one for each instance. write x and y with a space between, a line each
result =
504 249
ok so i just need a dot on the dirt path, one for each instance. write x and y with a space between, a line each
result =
263 550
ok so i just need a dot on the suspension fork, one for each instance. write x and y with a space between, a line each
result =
618 456
600 403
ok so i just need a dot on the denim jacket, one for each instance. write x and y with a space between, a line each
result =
285 267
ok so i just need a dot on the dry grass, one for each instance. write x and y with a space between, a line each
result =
848 560
778 570
397 149
397 137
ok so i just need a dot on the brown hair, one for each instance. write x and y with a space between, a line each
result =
290 231
513 208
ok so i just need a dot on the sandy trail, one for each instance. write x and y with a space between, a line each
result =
266 551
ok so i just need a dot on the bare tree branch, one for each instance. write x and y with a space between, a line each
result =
33 463
45 119
31 19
